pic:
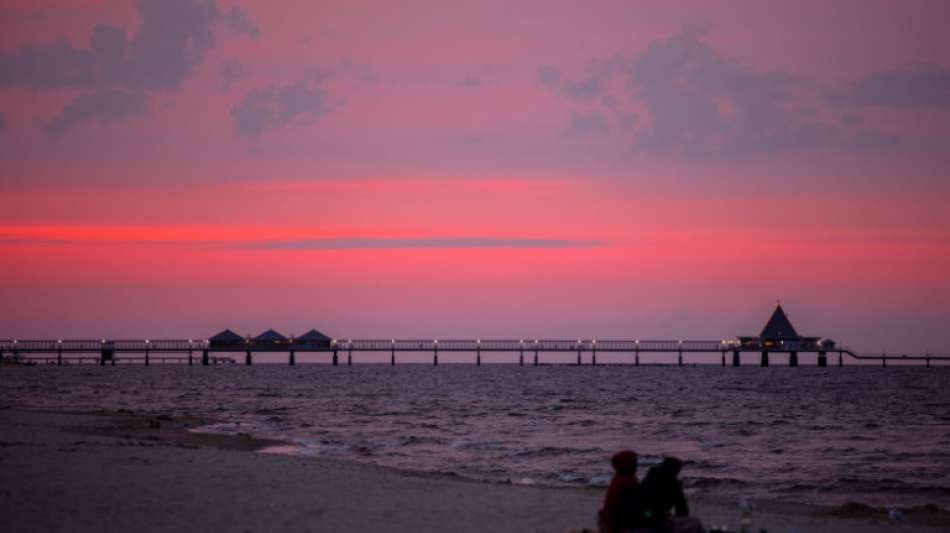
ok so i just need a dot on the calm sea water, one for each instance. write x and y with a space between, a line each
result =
872 435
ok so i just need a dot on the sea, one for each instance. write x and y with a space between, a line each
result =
877 436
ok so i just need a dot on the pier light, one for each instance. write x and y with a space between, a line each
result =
594 341
60 341
521 341
393 341
535 341
681 342
435 341
14 341
146 341
103 341
332 341
638 341
478 341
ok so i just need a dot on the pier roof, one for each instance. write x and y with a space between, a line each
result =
313 336
779 326
270 336
226 336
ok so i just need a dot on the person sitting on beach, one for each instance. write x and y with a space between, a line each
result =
661 492
621 503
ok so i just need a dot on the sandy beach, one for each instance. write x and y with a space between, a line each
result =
121 471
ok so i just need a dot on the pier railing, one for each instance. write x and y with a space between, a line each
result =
166 349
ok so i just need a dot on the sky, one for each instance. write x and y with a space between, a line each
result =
666 170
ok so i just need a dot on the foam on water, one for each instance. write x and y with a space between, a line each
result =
871 435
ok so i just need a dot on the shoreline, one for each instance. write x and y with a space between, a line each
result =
63 468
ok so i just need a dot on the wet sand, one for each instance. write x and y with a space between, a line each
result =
121 471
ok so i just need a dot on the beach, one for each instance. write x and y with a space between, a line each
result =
121 471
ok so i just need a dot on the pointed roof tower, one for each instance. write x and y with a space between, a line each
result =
779 327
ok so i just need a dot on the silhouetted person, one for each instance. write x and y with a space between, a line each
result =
621 505
661 493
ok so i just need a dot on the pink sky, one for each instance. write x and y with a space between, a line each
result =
476 169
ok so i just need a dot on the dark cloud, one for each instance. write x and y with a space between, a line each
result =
592 124
231 72
703 103
699 102
238 21
104 106
471 82
425 242
264 109
926 86
870 139
592 85
172 40
548 75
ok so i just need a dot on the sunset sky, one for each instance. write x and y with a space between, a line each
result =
169 168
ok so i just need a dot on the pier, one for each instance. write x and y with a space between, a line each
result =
777 341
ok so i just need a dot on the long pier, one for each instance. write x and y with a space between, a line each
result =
110 351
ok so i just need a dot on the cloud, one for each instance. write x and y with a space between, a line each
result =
471 82
926 86
592 85
682 96
592 124
424 242
268 108
238 21
231 72
548 75
104 106
870 139
172 40
3 121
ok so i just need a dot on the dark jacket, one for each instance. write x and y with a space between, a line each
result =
660 493
621 504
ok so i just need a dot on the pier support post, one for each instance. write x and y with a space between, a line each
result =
792 358
392 357
636 357
435 357
928 360
578 357
840 361
349 357
736 359
724 359
478 357
336 359
593 357
247 358
822 360
205 359
59 359
679 358
765 358
884 360
535 357
521 357
292 358
191 357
